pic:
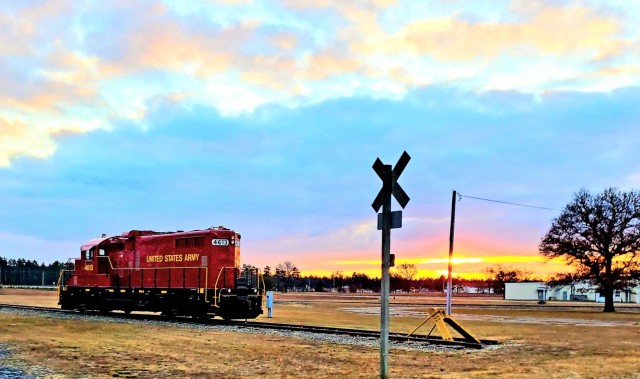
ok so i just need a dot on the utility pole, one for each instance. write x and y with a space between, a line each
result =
451 230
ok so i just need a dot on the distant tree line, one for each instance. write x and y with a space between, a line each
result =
286 277
30 273
403 278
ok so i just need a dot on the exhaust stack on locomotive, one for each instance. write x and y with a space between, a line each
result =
194 273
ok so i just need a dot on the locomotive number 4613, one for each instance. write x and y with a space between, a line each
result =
220 242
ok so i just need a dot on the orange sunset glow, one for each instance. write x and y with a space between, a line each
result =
463 267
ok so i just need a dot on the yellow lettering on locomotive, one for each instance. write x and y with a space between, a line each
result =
88 267
154 258
191 257
173 258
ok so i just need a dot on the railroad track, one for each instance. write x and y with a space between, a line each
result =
547 306
399 337
371 334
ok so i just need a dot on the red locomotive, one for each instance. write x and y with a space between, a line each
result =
194 273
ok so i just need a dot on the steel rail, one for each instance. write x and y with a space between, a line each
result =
488 306
35 308
372 334
400 337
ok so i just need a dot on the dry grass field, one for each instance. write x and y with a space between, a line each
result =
535 343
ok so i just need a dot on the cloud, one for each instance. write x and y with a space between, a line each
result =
558 31
285 41
69 67
16 246
20 139
15 141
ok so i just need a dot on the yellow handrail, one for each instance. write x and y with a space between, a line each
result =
109 259
215 288
216 295
206 272
60 282
264 290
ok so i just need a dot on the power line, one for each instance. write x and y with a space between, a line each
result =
509 203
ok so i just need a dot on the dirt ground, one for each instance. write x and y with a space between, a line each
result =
29 297
535 343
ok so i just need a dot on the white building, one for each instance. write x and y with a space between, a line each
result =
579 291
526 291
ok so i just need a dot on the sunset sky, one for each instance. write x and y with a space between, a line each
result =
266 117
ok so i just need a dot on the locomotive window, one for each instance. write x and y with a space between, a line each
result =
188 242
88 254
101 252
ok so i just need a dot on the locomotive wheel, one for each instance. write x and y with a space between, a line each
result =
169 314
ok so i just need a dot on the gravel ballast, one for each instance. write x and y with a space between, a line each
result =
320 337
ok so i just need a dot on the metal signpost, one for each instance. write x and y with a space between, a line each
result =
388 220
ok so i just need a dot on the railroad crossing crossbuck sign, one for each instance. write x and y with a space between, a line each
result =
388 220
396 190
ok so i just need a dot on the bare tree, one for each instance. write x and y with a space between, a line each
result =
407 271
600 237
287 272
